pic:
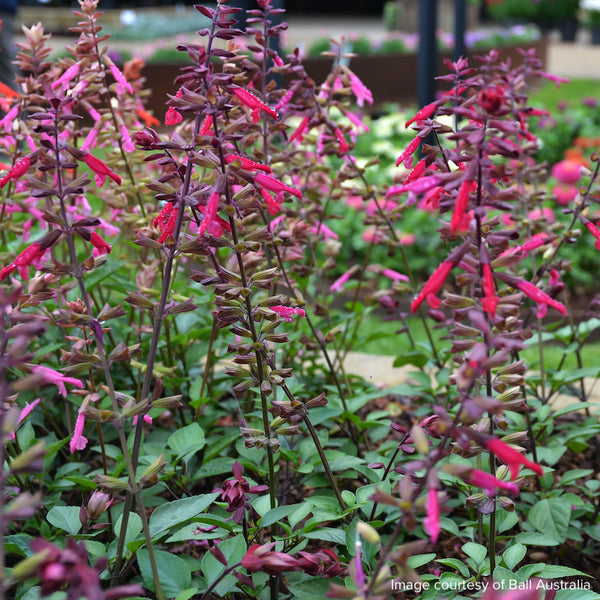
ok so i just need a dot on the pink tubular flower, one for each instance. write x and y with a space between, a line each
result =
210 212
90 140
489 300
325 231
593 230
78 441
16 171
555 78
416 172
423 114
122 83
533 292
165 221
25 412
360 90
173 116
67 76
460 206
355 120
100 169
127 141
206 126
300 130
537 240
274 185
248 164
490 484
272 205
51 376
23 260
431 523
394 275
7 122
510 457
287 313
406 157
338 284
343 144
434 283
285 99
251 101
99 244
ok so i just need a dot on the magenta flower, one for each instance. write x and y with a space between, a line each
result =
122 83
537 240
360 90
510 457
272 205
394 275
340 282
235 492
99 244
342 143
489 300
54 377
165 221
423 114
25 412
490 484
78 441
406 157
432 286
300 130
555 78
431 523
31 253
287 313
264 559
565 194
252 102
274 185
248 164
460 206
67 76
533 292
101 170
567 171
593 230
325 231
16 171
128 145
210 212
207 124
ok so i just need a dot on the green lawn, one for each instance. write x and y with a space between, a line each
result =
381 338
549 96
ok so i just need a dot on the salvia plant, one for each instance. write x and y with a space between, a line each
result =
177 420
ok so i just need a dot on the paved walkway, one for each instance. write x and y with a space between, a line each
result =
578 60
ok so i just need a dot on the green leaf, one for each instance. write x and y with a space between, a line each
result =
418 560
300 513
576 594
454 563
514 555
593 531
277 514
530 538
173 572
65 518
414 357
18 544
187 594
573 474
310 589
327 534
134 527
556 571
174 513
476 551
217 466
551 517
187 440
